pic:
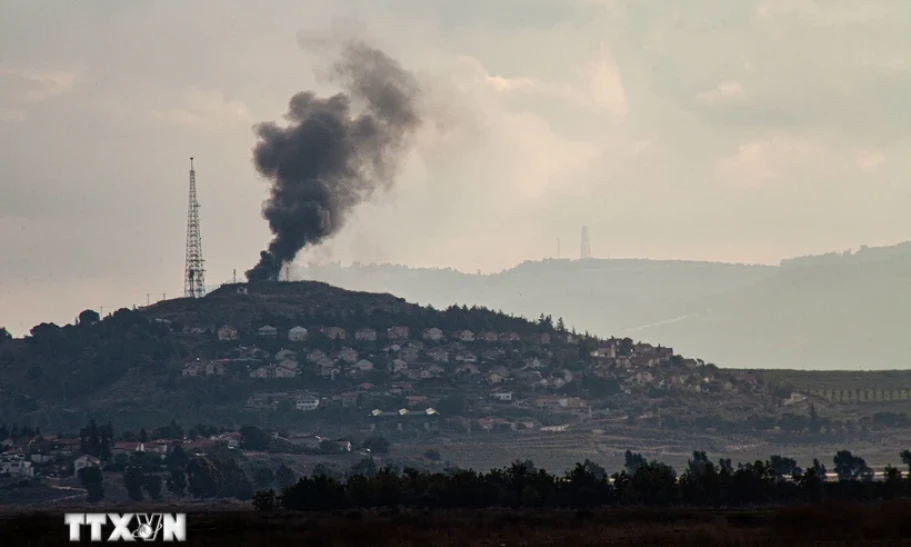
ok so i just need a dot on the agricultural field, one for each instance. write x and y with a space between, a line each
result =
845 386
559 451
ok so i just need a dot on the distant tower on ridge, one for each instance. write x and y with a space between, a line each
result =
586 245
194 273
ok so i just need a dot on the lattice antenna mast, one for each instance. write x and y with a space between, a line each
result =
195 274
586 244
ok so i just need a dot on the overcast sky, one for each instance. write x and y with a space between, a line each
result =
742 131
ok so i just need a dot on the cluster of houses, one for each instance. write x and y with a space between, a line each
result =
477 363
26 458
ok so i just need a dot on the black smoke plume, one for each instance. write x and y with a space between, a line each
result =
329 159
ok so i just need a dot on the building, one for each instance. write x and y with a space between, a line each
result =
363 365
348 355
267 331
365 334
127 447
465 335
16 466
306 402
285 354
397 333
335 333
309 442
433 334
227 332
510 337
316 355
297 334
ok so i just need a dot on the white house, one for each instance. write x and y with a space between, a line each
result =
433 334
465 335
84 461
365 334
267 331
297 334
306 402
363 365
16 466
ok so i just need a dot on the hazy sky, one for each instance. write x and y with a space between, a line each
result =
730 130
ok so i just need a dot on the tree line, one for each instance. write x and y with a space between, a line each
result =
777 479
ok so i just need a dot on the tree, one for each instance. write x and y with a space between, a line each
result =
91 480
153 486
633 462
849 467
177 459
377 445
284 476
177 483
134 480
263 478
366 468
97 440
253 438
785 467
202 478
905 456
88 318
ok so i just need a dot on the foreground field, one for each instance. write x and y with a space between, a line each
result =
823 524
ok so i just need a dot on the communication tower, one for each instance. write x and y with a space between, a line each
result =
586 244
194 272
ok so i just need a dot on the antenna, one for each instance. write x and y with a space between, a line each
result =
194 274
586 245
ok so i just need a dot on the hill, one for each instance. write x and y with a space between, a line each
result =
306 358
834 311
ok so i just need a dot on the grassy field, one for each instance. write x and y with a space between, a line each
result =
824 524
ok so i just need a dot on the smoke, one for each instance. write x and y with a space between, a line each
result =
328 159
